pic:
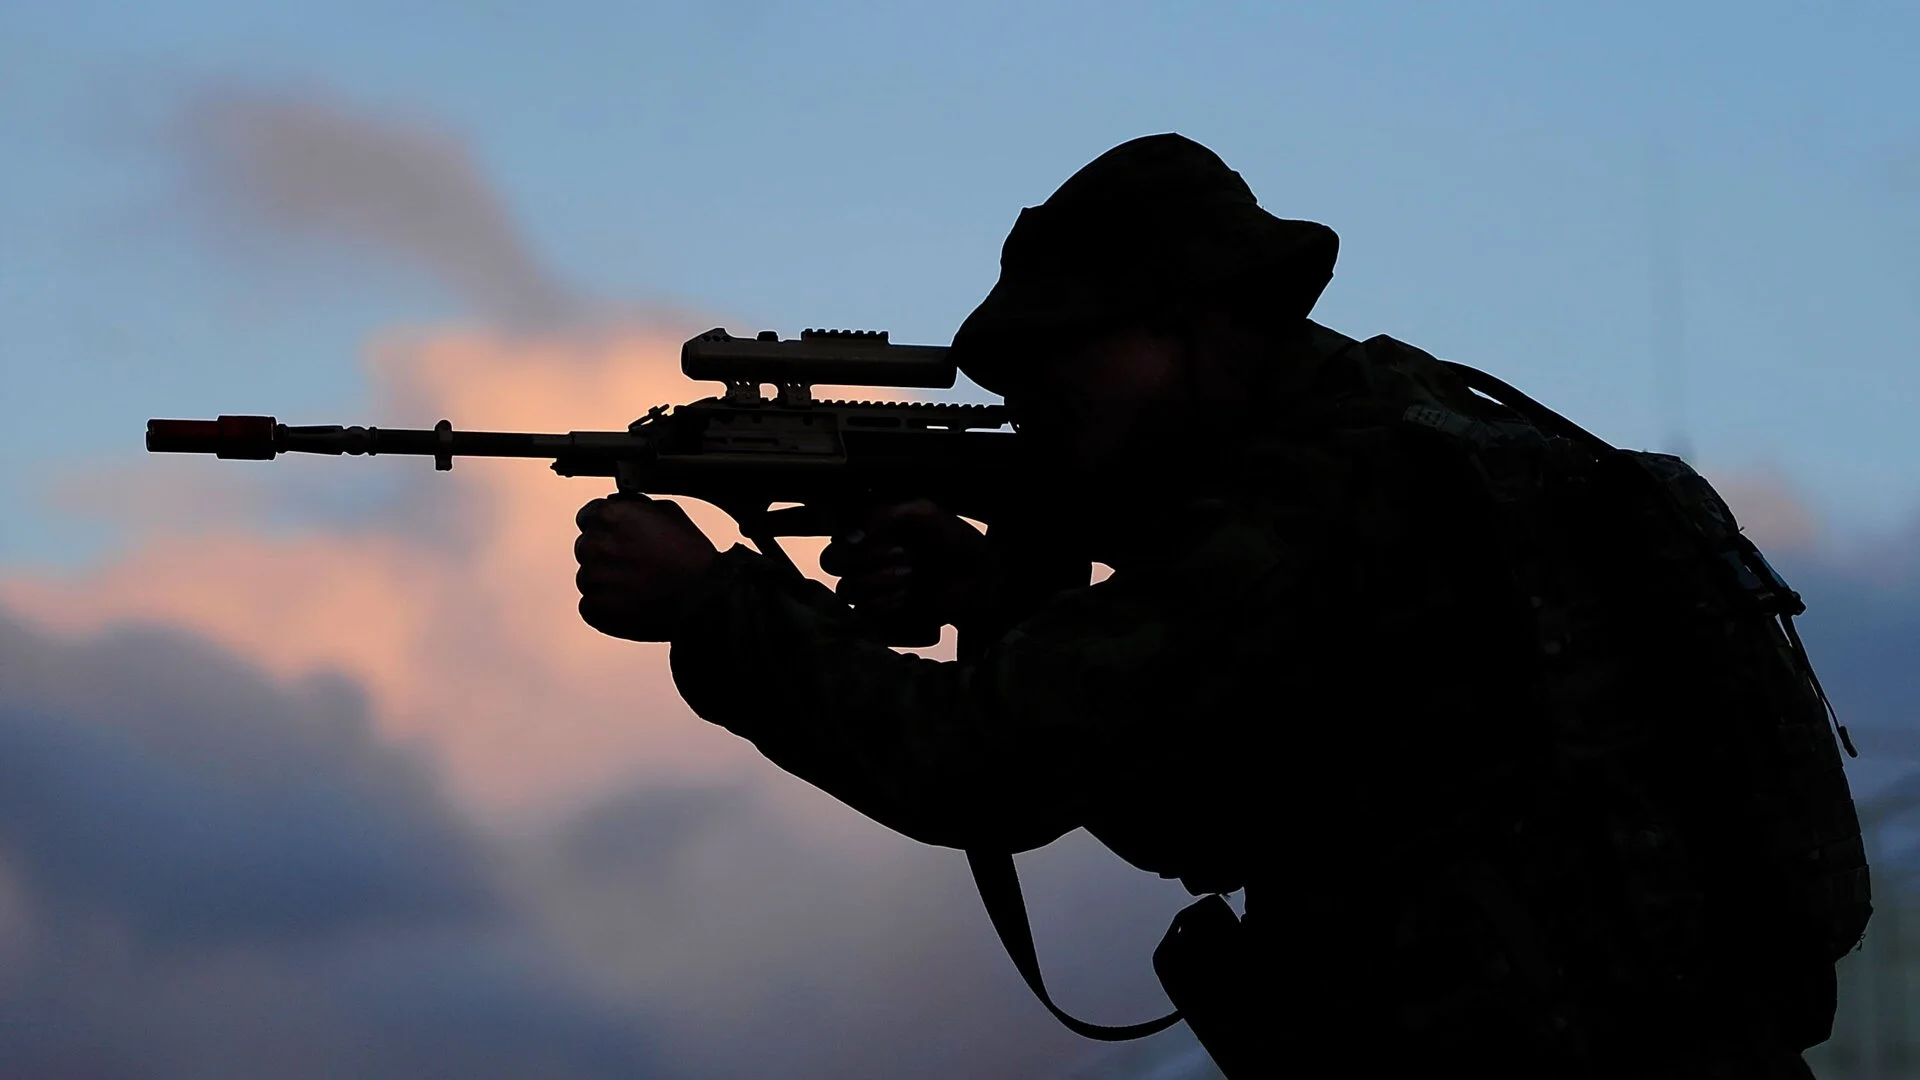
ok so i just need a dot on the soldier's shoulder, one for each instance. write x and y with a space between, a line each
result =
1402 371
1347 442
1330 344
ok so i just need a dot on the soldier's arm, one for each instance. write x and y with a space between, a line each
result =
1007 750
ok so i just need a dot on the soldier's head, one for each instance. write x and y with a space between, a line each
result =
1149 287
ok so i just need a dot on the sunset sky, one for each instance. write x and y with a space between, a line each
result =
325 737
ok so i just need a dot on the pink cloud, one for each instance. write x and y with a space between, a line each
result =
1773 514
463 626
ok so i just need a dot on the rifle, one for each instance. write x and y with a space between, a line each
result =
744 453
741 451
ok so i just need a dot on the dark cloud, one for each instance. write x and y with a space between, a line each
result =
207 873
281 166
204 874
139 766
403 1006
786 936
99 826
647 835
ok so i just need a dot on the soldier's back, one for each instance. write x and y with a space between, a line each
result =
1399 930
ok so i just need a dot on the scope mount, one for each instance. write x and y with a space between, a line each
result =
788 395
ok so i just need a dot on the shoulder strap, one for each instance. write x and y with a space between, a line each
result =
999 884
1532 411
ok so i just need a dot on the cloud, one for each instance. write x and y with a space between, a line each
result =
135 763
1863 601
609 886
282 167
750 924
783 935
448 596
1774 515
207 873
1862 630
626 868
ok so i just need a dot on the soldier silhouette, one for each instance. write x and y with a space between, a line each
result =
1361 655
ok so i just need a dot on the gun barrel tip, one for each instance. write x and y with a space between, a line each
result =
171 434
224 436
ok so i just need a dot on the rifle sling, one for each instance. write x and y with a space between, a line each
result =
993 871
999 885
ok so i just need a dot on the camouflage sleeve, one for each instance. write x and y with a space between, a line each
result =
1008 751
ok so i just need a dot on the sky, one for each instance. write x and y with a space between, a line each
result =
325 735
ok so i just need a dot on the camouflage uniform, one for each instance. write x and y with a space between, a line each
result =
1301 683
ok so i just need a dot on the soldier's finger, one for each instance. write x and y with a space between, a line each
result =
875 558
596 580
880 602
843 554
627 510
874 563
862 588
862 537
597 546
600 614
835 558
675 514
886 603
911 517
592 515
612 575
650 517
842 560
929 528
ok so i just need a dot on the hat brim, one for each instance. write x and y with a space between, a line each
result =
1035 307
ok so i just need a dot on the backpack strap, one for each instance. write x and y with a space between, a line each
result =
1530 410
999 885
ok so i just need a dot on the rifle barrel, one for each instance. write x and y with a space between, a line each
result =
263 438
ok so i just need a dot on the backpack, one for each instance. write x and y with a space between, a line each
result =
1697 856
1687 836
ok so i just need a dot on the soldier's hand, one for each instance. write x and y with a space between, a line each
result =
913 559
639 561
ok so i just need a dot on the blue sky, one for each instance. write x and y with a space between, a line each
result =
1491 169
1495 172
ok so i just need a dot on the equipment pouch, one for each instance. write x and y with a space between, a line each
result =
1205 967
